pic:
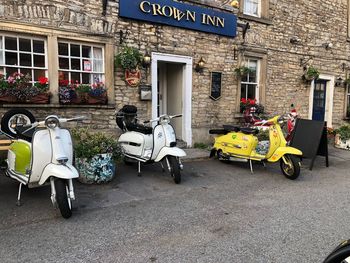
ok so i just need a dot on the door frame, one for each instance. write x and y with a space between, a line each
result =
186 90
328 114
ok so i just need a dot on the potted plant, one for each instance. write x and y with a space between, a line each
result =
311 73
342 137
95 155
242 71
129 59
17 88
97 94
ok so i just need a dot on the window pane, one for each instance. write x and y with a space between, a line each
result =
86 78
75 77
11 58
39 61
251 7
63 75
25 45
1 57
63 63
63 49
243 91
252 76
251 91
98 66
38 46
75 64
98 53
97 78
25 60
1 70
10 71
75 50
11 43
26 71
86 52
1 47
38 73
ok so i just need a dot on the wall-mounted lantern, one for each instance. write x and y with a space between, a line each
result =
146 60
200 65
338 82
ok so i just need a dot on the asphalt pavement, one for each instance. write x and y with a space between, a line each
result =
219 213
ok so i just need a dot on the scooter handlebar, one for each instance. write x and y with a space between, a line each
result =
175 116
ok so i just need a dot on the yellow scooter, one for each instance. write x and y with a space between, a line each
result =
241 144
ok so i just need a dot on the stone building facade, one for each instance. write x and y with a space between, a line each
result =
284 38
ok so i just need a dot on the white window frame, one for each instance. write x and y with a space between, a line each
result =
257 79
32 68
259 9
92 59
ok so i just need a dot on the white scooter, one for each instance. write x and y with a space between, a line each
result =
42 153
146 144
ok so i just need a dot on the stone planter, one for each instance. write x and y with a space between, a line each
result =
43 98
100 169
338 143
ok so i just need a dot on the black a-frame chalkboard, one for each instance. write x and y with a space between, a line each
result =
310 137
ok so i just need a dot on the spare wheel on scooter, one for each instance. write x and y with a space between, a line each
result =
13 118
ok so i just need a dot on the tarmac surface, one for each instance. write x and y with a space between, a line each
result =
219 213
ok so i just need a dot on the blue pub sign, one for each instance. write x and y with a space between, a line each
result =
180 15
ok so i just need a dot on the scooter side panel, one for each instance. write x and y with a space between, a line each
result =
21 151
282 151
42 154
66 142
132 142
159 140
66 171
172 151
236 143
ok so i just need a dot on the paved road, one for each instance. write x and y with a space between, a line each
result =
220 213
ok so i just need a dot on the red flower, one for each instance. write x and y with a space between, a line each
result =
243 100
64 82
43 80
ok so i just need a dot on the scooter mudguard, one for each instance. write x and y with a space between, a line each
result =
173 151
282 151
66 171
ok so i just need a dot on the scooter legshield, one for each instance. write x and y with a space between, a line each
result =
66 171
282 151
172 151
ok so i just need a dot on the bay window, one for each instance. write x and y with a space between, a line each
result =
81 63
24 55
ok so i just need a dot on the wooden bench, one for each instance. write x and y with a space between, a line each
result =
5 145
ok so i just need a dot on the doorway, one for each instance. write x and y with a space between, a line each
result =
319 100
170 86
172 91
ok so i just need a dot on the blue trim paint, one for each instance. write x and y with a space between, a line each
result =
180 15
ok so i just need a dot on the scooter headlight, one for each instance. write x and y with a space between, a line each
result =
51 122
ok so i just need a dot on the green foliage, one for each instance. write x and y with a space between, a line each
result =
243 70
129 58
88 144
344 132
200 145
83 88
312 73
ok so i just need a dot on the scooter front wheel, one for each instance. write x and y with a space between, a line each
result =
63 199
290 166
175 169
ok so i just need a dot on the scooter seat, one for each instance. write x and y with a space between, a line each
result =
246 130
139 128
231 128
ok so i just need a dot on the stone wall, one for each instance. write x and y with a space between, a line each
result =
285 61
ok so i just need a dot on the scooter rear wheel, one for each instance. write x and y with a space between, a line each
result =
175 169
291 169
339 254
62 197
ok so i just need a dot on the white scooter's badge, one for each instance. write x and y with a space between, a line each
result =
57 137
160 135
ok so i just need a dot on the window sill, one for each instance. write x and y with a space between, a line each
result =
108 106
256 19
